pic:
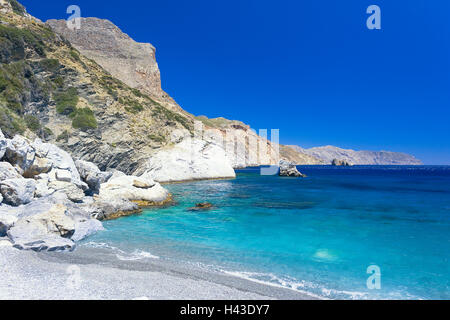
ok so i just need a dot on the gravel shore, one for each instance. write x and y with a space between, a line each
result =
92 274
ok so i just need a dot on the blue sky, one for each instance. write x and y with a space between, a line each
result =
309 68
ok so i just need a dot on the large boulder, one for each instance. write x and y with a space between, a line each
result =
86 228
46 227
111 208
17 191
191 159
7 171
134 189
289 169
7 220
73 192
20 153
92 175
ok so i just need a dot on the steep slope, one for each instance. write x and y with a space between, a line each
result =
135 64
328 153
48 89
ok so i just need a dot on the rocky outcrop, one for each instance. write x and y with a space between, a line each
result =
329 153
190 159
51 210
341 163
289 169
17 191
132 62
92 175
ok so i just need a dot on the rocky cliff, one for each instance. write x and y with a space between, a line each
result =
329 153
135 64
48 89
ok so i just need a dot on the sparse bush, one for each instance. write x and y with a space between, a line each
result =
66 102
84 119
32 123
64 136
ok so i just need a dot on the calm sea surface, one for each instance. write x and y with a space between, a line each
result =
318 234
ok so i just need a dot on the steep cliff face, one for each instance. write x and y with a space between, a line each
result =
135 64
132 62
329 153
48 89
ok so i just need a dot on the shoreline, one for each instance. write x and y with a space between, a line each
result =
104 276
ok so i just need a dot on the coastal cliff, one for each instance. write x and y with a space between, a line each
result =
329 153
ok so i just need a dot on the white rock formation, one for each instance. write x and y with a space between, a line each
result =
191 159
133 189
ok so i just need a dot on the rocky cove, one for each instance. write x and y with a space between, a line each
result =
48 201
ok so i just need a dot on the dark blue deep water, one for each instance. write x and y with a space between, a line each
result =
318 234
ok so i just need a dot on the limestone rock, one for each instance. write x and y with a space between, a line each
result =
92 175
7 220
17 191
20 153
7 171
125 188
63 175
191 159
73 193
86 228
105 209
288 169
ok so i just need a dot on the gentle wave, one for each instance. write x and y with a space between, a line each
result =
122 255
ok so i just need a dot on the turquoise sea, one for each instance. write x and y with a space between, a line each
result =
317 235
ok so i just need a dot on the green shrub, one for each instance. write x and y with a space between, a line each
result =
132 106
75 55
66 102
157 138
17 7
64 136
58 82
32 123
50 64
15 41
10 123
159 111
84 119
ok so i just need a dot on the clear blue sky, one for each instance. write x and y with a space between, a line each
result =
309 68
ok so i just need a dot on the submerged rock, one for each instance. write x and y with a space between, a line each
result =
204 206
288 169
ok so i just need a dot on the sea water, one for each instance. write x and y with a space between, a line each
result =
321 234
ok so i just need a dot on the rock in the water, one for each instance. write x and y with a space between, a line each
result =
7 171
191 159
92 175
288 169
86 228
17 191
106 209
132 188
204 206
340 163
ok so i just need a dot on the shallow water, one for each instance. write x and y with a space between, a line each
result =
318 234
